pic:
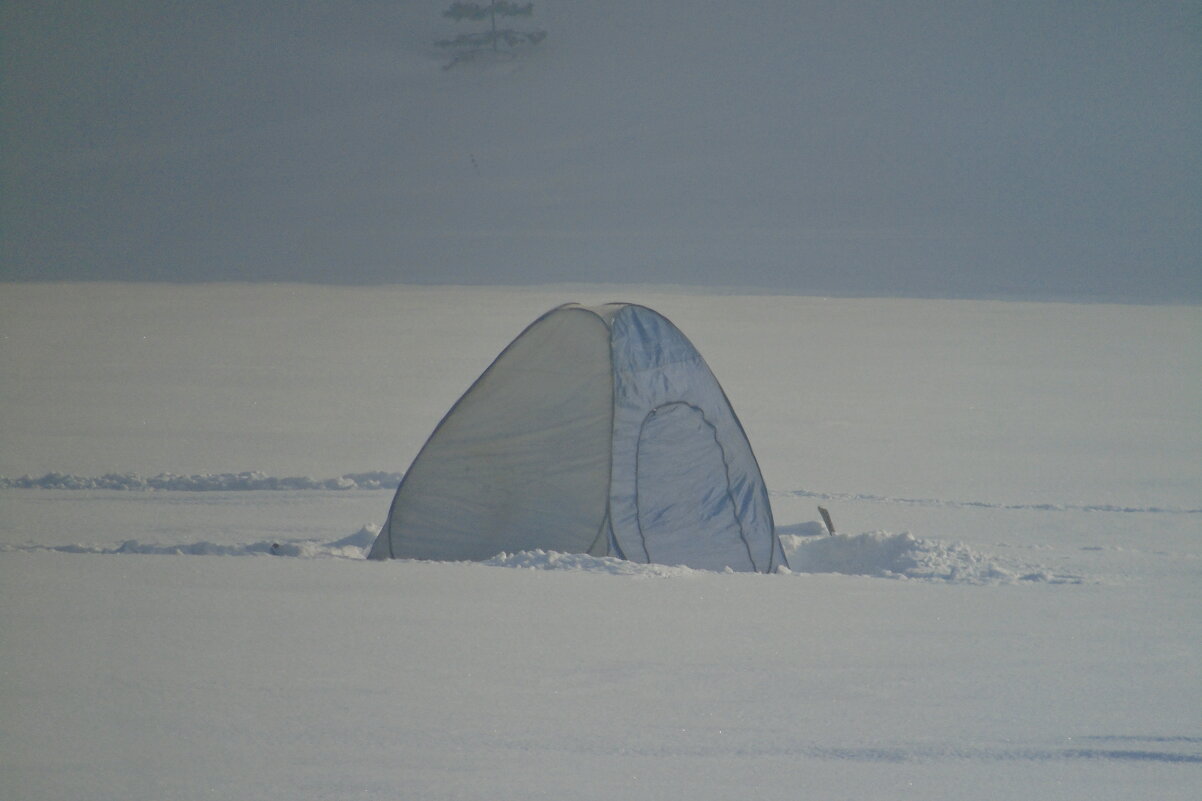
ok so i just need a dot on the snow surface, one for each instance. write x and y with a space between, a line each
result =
1010 607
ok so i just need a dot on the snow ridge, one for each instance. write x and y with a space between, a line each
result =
875 554
204 482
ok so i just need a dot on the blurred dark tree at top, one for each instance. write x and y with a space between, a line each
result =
495 39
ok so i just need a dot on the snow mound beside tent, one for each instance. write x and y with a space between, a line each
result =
904 556
583 563
876 554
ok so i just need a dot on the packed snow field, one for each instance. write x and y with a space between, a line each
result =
1009 608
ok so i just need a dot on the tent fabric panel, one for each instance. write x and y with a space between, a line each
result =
686 513
655 365
522 460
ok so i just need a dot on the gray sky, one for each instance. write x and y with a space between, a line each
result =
1026 149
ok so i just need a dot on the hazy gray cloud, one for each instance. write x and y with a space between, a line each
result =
944 148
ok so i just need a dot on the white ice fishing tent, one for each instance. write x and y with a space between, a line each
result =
598 430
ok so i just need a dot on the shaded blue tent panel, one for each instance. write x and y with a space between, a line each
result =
598 430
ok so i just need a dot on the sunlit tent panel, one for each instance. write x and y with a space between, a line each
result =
598 430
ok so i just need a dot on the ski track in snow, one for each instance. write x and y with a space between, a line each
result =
254 481
726 742
353 547
205 482
950 504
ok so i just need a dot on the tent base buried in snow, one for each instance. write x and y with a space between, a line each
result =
599 430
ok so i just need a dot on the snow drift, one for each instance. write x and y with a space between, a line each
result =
876 554
905 556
